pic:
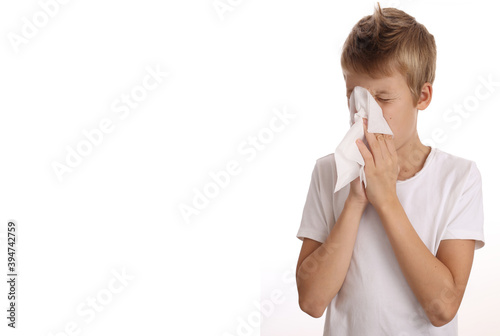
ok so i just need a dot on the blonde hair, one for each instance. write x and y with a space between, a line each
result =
388 41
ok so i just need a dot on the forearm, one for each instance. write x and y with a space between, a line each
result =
430 280
322 273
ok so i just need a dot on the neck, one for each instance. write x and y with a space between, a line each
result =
411 158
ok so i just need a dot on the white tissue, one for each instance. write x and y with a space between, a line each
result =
348 159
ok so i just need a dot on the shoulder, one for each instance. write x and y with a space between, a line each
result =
325 166
324 173
326 161
456 169
454 164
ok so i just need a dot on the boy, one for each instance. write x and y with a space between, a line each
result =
392 257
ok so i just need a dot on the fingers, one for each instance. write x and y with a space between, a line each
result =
390 144
365 153
381 145
377 144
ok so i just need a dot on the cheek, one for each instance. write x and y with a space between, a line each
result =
389 117
393 123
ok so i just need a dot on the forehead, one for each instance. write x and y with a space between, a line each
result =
387 84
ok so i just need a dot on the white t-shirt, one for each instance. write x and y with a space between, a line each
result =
442 201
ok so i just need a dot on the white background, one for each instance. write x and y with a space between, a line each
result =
118 210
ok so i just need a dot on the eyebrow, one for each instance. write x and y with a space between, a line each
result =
382 91
376 92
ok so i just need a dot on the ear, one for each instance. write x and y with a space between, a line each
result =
425 96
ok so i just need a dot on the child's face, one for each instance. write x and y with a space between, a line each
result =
394 98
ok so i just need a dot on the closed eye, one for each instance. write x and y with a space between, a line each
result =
384 100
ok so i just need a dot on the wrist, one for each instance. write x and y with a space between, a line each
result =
351 201
389 205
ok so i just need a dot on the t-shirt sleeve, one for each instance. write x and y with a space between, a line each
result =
314 219
467 217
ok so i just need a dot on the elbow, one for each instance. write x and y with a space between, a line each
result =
313 309
443 317
314 302
437 322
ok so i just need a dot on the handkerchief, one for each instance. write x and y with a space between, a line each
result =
348 159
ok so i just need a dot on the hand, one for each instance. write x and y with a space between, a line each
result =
381 167
357 193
